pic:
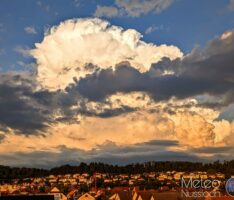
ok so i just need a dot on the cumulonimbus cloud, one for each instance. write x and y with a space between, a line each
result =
67 49
158 94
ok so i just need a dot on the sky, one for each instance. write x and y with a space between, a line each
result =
117 81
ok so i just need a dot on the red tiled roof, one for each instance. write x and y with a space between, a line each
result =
125 195
145 195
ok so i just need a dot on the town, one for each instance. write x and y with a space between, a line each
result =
145 186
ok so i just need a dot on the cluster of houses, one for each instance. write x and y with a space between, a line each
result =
117 193
109 186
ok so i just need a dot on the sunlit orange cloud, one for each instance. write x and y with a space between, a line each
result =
189 127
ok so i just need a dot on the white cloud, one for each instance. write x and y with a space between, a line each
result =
153 28
106 11
133 8
30 30
67 48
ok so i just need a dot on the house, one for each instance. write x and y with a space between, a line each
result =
72 194
220 176
212 176
177 176
119 189
162 177
86 196
57 194
142 195
107 180
152 175
131 181
203 176
55 190
121 195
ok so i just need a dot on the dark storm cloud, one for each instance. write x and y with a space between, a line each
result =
213 150
108 153
99 111
155 150
114 112
163 142
207 71
155 156
156 146
127 79
29 110
214 64
18 109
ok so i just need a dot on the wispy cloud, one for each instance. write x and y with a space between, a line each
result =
133 8
26 65
23 50
30 30
43 6
154 28
77 3
106 11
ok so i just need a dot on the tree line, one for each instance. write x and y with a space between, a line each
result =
226 167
